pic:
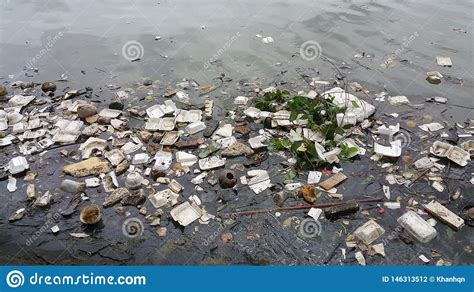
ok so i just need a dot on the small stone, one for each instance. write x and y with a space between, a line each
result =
134 111
86 110
103 120
162 231
48 86
212 181
410 123
407 160
116 196
142 211
470 213
30 176
118 124
169 92
145 136
43 200
91 166
116 106
157 137
17 215
3 90
155 221
434 77
135 198
227 237
3 175
30 191
155 174
121 167
237 149
92 130
242 130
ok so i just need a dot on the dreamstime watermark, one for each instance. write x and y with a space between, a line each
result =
47 225
310 50
49 45
132 227
209 239
222 50
392 235
403 136
15 279
132 50
310 228
405 44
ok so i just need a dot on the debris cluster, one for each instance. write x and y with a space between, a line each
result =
148 155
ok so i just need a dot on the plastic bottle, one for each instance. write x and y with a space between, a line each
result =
71 186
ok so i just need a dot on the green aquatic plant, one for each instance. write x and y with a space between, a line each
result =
272 101
320 115
346 151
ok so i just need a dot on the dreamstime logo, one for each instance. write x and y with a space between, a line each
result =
310 228
132 227
310 50
132 50
15 279
403 136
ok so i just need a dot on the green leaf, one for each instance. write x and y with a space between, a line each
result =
290 174
220 208
449 233
347 151
293 116
280 145
321 117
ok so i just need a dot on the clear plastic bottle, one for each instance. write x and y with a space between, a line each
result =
71 186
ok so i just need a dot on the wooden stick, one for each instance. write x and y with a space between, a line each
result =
302 207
